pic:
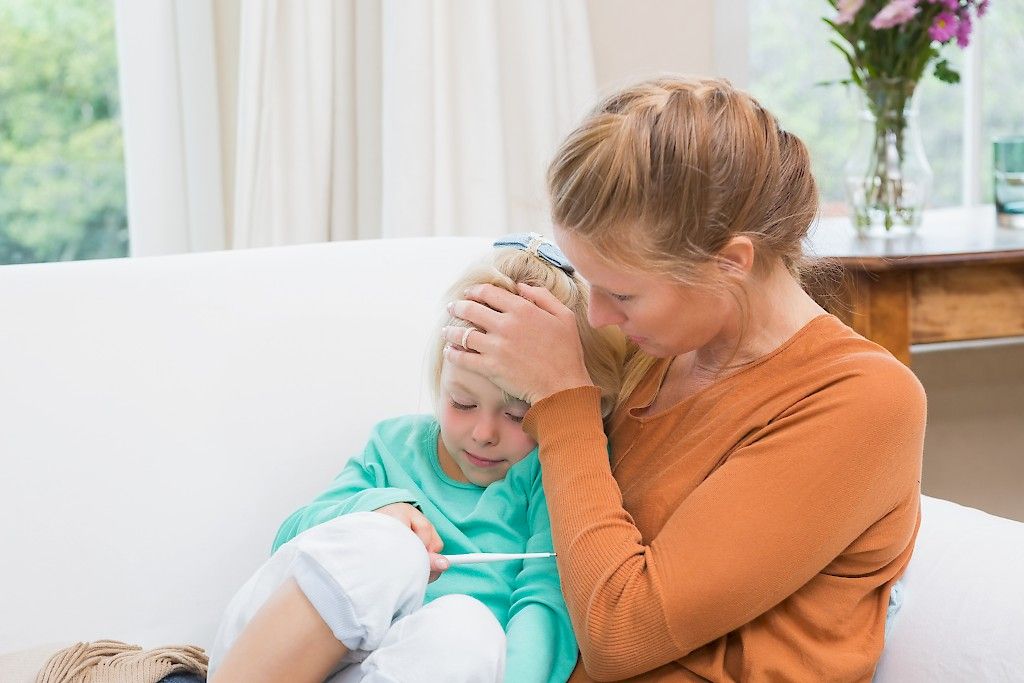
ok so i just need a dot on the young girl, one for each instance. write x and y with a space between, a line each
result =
346 594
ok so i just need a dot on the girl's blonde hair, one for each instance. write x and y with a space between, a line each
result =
603 350
662 174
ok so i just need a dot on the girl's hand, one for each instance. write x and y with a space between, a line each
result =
528 345
418 523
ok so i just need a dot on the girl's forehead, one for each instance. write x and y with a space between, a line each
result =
465 379
453 377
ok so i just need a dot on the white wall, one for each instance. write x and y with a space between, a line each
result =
634 40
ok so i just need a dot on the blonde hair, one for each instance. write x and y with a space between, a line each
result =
603 349
663 174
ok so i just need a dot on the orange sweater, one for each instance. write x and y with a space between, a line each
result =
751 532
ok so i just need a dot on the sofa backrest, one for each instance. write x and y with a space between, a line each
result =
159 418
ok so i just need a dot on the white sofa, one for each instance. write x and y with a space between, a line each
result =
159 417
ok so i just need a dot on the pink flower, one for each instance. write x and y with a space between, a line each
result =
848 10
982 8
963 31
896 13
944 27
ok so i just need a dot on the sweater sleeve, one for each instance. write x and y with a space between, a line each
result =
362 486
783 505
540 645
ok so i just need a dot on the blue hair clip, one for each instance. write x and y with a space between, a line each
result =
539 246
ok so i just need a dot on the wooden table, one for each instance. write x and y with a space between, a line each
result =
959 277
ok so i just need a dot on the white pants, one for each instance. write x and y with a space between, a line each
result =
366 575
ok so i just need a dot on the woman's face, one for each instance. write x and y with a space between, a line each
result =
661 316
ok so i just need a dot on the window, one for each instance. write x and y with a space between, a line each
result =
789 53
62 193
1002 97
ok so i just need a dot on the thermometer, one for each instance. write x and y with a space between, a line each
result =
474 558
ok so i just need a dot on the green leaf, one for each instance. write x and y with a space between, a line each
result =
945 73
843 81
854 69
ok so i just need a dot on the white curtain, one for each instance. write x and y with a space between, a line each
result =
381 118
169 95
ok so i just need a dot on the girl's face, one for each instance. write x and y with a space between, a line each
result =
658 314
481 431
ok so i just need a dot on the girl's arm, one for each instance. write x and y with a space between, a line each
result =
362 486
540 645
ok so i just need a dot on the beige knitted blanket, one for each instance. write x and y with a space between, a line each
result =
111 661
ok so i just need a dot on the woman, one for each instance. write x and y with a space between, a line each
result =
763 490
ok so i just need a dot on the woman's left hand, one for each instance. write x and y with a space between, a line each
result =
528 344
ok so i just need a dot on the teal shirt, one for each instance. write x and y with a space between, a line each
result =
400 464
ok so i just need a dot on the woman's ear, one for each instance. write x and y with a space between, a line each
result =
738 255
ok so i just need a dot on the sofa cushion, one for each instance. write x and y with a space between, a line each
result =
962 617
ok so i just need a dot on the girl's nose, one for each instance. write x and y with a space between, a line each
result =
485 431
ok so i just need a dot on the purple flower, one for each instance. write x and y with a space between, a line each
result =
848 10
896 13
982 8
963 31
952 4
944 27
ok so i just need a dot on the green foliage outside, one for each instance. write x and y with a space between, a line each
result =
62 193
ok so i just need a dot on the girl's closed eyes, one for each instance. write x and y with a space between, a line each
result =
514 413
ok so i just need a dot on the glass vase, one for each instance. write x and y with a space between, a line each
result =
888 178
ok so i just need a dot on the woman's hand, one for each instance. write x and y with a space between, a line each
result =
418 523
528 344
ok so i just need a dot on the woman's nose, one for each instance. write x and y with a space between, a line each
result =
600 313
